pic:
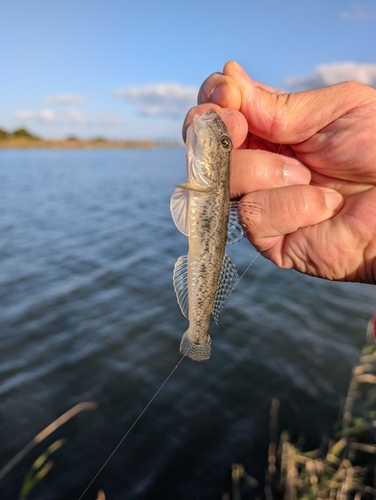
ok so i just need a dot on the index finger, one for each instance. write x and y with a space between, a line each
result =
293 118
221 90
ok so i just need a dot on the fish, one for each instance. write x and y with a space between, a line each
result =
201 209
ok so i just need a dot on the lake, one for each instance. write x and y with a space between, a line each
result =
88 313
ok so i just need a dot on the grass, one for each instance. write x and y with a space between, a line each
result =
43 463
39 469
344 470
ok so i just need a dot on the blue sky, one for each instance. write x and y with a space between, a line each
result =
131 69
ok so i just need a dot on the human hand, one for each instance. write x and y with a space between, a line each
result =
308 161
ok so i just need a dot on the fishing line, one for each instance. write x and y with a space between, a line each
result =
132 426
150 402
252 261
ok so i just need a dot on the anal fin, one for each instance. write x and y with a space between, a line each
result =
227 280
180 281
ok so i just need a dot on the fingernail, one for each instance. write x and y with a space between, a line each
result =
232 121
295 173
333 200
220 95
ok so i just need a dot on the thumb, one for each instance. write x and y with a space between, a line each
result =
292 118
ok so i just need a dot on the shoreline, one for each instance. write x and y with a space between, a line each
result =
24 143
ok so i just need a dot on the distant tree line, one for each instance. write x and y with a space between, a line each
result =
19 133
98 141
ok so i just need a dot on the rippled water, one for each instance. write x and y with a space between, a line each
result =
88 313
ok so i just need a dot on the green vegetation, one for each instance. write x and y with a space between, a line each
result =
20 133
39 469
43 464
3 134
99 139
23 139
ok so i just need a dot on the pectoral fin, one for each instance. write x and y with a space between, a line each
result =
235 230
226 283
179 209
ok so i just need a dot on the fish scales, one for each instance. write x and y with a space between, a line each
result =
200 209
207 240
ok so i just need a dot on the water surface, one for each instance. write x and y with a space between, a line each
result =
88 313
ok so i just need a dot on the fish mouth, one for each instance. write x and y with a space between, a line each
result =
197 135
203 144
209 116
199 132
201 121
203 128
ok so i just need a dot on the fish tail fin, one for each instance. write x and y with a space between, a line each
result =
195 351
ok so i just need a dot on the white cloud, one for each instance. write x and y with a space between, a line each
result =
25 114
163 99
70 117
359 12
328 74
65 99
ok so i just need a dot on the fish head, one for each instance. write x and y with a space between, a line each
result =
208 145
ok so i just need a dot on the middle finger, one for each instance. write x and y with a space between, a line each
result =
255 170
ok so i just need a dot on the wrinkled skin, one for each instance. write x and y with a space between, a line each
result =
304 167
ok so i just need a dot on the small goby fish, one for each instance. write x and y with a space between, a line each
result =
201 210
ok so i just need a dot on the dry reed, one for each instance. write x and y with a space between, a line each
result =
346 471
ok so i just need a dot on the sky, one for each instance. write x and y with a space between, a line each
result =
131 69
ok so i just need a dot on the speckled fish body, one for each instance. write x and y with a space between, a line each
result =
200 209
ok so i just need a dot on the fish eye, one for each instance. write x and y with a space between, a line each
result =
226 142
